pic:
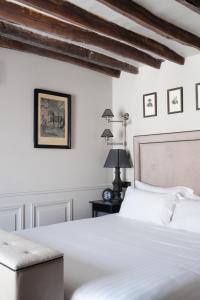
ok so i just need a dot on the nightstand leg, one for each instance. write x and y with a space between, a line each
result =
93 212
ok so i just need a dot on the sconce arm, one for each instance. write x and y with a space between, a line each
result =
115 144
115 121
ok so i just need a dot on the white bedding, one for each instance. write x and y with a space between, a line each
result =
112 257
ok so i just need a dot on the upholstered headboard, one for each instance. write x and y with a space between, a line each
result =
168 159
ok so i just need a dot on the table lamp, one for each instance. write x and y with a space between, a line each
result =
117 158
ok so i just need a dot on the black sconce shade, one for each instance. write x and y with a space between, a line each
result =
107 113
107 134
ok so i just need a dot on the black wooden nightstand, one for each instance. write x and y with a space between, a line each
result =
102 206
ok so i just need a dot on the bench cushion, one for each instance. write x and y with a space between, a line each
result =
18 253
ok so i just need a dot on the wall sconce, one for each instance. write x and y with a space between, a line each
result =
107 134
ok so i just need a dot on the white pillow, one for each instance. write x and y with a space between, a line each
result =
187 216
182 190
193 197
147 206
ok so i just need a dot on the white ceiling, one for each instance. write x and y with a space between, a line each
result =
170 10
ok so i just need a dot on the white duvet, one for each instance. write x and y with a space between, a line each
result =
114 258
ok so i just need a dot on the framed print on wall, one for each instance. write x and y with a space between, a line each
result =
150 105
175 100
52 119
198 96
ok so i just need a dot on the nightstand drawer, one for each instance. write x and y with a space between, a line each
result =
106 207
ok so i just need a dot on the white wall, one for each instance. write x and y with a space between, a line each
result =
28 174
128 97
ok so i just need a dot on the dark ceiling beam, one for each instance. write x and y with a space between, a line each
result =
70 12
147 19
194 5
30 18
38 40
23 47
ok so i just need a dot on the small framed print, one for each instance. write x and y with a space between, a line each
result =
52 119
150 105
198 96
175 100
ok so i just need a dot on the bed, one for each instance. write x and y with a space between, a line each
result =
113 257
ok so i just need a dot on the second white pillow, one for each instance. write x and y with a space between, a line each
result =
187 216
175 190
147 206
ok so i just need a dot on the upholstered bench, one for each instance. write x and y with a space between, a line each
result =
29 271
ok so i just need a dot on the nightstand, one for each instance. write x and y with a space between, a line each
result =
102 206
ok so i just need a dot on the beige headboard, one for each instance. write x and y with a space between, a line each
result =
168 159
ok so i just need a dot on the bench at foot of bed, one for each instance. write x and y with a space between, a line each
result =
29 271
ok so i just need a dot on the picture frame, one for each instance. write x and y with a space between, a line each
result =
52 119
175 100
197 96
150 105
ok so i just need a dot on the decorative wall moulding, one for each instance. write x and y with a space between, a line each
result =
12 217
50 212
55 191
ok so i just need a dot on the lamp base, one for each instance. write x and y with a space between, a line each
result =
117 201
117 187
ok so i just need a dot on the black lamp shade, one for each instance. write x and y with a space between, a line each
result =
107 134
117 158
107 113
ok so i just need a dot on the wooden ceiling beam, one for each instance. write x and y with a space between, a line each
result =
23 47
70 12
194 5
24 16
147 19
38 40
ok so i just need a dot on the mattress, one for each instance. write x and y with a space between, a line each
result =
112 257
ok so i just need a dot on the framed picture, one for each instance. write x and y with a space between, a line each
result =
175 100
52 119
198 96
150 105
